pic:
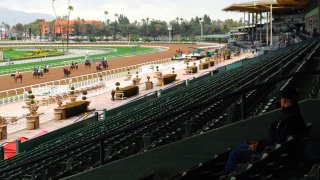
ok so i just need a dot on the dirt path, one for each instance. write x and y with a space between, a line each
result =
6 82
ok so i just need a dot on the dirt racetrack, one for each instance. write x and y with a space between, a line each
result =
7 82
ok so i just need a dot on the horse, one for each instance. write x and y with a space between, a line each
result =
104 64
74 66
45 70
66 72
98 67
16 78
87 64
37 74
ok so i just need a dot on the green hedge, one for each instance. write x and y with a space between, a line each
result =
130 90
169 78
76 108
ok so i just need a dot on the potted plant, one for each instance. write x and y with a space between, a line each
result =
137 79
157 73
128 76
149 84
72 96
117 84
113 92
84 93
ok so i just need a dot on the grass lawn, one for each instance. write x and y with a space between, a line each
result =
121 51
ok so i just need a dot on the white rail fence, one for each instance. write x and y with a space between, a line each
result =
20 94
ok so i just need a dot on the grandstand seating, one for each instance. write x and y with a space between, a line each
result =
151 121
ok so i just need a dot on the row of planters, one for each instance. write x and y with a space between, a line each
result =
133 90
203 65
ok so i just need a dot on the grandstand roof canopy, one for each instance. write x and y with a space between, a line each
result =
264 5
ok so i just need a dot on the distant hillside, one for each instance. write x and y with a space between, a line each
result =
13 17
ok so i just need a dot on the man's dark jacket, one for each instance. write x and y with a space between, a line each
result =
290 123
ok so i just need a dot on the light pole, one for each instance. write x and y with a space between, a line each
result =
170 29
105 22
201 22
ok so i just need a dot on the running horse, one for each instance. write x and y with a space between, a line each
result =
45 70
87 64
98 67
104 64
74 66
66 72
37 74
16 78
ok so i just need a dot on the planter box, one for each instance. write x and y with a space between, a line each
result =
169 78
203 66
192 69
128 91
211 63
71 109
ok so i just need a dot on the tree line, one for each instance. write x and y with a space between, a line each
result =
120 28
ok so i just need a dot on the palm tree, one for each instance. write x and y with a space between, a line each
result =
70 8
115 26
105 21
55 13
147 19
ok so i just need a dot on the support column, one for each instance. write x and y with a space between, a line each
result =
248 26
270 24
260 29
256 26
267 30
252 30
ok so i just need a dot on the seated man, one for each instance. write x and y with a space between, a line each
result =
290 123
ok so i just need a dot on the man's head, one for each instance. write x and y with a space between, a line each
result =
288 97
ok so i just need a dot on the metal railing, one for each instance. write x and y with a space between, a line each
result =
19 94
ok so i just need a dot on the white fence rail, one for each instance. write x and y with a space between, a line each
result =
19 94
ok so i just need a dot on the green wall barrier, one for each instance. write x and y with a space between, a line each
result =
30 144
175 157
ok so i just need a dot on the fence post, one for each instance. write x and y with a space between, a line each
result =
104 114
159 93
102 152
243 106
1 153
18 143
96 115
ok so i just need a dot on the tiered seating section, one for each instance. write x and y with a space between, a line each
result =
150 124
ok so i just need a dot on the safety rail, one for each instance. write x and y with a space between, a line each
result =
67 62
19 94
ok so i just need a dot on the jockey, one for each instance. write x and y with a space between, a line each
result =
17 74
72 64
66 68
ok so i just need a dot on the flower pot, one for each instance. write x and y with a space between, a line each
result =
137 80
72 97
158 74
149 85
128 77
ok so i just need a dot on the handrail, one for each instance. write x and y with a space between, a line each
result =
161 118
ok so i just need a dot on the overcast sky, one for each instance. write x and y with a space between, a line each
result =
134 9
